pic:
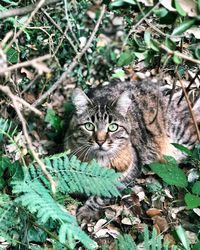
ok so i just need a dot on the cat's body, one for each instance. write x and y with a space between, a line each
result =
126 125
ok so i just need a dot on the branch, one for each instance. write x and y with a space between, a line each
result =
14 99
24 10
37 7
189 106
74 62
179 54
24 64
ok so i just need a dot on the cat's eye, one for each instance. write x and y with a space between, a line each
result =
113 127
89 126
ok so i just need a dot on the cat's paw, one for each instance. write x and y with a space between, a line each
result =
86 214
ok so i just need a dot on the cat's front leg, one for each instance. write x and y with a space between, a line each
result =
92 209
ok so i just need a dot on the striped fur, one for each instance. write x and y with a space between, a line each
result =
144 125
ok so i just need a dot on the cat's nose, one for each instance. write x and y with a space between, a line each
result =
100 142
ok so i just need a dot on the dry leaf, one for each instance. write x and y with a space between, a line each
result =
194 31
126 221
161 222
189 6
28 73
102 233
99 225
113 231
103 40
30 98
197 211
168 5
41 67
147 2
170 239
151 212
175 211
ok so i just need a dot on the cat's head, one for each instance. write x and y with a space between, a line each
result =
99 127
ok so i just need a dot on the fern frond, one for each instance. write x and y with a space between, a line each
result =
38 200
152 241
75 176
6 128
125 242
9 220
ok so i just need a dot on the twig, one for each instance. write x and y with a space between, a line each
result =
189 106
30 84
191 82
26 104
60 42
68 22
37 7
138 23
61 31
74 62
6 90
176 53
24 10
24 64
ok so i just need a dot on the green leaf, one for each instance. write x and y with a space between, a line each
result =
12 55
147 38
183 27
154 45
196 188
119 3
125 58
179 8
182 236
196 152
183 149
161 12
198 5
196 246
192 201
10 2
53 119
197 52
170 172
170 44
177 59
4 163
118 74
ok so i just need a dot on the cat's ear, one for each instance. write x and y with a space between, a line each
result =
80 101
123 103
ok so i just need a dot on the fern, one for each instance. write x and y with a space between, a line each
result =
126 242
33 193
6 129
75 176
10 223
37 199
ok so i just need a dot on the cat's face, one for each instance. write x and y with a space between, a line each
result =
98 130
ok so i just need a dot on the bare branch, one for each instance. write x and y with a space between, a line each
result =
37 7
179 54
190 107
24 10
25 64
6 90
74 62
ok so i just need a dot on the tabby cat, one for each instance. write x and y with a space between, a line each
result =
126 125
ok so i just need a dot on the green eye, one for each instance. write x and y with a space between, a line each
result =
89 126
113 127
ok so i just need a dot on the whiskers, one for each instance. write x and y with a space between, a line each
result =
83 151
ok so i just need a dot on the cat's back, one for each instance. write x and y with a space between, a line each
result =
136 89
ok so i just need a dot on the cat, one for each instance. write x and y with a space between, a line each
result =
125 125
